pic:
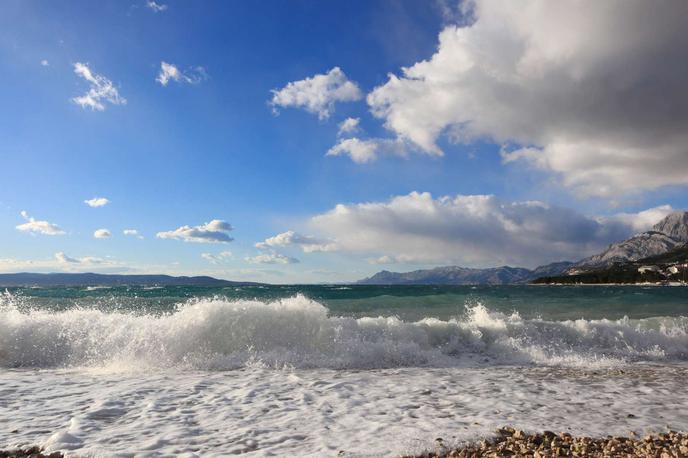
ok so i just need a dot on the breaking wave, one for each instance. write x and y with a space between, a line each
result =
219 334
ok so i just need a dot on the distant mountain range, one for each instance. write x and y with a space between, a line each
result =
91 279
453 275
668 237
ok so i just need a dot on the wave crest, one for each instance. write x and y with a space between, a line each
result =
298 332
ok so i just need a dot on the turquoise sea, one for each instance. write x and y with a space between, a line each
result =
405 302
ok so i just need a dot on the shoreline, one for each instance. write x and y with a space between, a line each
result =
670 285
29 452
509 441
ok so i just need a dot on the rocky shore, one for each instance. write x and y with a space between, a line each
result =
30 452
510 442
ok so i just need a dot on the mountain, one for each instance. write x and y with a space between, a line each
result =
669 233
675 226
453 275
671 266
91 279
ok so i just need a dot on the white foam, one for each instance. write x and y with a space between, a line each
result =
298 332
266 412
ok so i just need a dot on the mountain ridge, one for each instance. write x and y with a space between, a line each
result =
95 279
455 275
668 234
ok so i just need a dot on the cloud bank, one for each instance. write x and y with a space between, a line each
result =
596 94
473 230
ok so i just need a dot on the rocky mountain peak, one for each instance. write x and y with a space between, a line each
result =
675 225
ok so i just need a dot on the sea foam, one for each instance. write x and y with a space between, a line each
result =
220 334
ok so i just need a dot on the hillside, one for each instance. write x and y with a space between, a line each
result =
666 267
453 275
666 235
92 279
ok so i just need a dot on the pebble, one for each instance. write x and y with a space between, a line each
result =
510 442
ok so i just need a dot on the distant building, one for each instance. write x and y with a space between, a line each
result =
643 269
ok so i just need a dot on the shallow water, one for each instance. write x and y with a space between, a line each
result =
371 371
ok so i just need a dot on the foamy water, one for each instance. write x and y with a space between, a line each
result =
218 334
221 376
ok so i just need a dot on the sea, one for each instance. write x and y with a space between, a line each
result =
334 370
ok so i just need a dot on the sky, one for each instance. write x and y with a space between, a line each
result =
321 141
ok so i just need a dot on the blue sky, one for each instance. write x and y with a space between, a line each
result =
209 145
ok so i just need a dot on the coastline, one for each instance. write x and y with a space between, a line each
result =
671 284
509 441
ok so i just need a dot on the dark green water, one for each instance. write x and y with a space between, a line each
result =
405 302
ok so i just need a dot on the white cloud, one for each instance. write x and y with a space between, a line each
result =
217 258
271 258
132 233
366 151
360 151
97 202
349 126
216 231
318 93
38 227
156 7
597 95
102 234
70 263
641 221
308 243
474 230
45 63
170 72
389 259
101 89
62 262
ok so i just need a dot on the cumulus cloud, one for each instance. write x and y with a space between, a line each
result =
307 243
317 94
596 94
216 231
97 202
102 234
473 230
132 233
170 72
156 7
45 63
100 90
363 151
217 258
38 227
348 126
271 258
